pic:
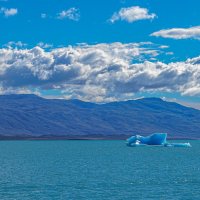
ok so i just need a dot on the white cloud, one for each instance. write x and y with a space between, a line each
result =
44 45
132 14
101 72
13 44
164 46
43 15
72 14
179 33
8 11
170 53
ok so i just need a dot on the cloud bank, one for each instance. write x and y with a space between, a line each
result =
179 33
132 14
102 72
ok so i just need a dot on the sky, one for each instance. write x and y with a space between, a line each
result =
100 50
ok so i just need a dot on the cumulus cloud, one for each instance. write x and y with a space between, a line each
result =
72 14
101 72
132 14
179 33
7 12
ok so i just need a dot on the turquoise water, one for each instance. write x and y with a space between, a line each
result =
97 170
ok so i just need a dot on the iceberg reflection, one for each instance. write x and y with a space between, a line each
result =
154 139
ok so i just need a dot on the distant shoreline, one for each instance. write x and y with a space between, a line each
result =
85 137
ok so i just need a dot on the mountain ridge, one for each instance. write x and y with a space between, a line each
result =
33 116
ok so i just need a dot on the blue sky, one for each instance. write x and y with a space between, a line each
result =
27 26
53 25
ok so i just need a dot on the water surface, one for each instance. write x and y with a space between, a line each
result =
97 170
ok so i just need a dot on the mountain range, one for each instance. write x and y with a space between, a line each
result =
28 115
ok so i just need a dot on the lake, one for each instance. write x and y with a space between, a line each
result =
97 170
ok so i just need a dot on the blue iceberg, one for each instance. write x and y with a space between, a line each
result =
154 139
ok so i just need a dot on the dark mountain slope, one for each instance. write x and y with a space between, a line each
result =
34 116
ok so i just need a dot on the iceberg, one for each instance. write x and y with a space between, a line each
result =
187 144
158 139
